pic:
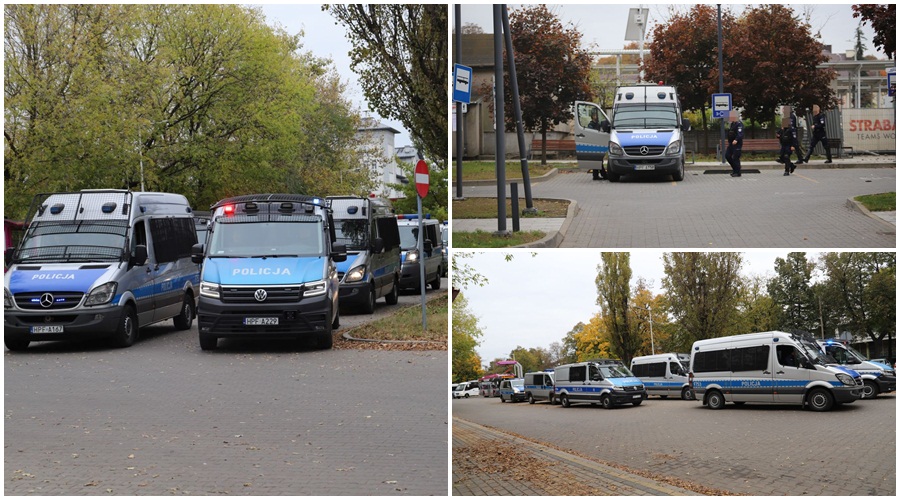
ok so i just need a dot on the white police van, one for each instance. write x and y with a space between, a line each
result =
269 270
432 259
367 227
664 375
539 386
100 263
769 367
512 390
606 381
876 377
644 136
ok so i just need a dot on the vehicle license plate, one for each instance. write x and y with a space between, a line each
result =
636 396
260 321
645 167
47 329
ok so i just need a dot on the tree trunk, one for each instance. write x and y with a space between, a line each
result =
543 141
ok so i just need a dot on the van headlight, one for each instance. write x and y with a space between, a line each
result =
846 379
615 149
7 298
412 256
674 148
209 290
355 274
101 294
314 288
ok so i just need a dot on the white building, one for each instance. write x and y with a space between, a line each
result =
382 160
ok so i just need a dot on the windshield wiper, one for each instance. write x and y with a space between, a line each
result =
273 256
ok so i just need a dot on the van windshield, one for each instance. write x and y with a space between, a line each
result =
645 116
74 241
408 236
300 237
615 371
352 232
814 353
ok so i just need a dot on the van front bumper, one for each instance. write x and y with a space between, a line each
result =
846 394
352 294
409 275
629 165
80 323
626 397
886 383
295 320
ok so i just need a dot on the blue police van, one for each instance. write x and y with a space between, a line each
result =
269 270
100 263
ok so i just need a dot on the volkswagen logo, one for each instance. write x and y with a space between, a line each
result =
46 300
260 295
645 150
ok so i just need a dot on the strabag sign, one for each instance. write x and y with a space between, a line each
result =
870 129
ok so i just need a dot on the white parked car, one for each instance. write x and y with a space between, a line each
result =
465 390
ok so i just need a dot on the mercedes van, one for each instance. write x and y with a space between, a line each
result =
769 367
876 377
539 386
664 375
100 263
269 270
409 243
368 228
607 382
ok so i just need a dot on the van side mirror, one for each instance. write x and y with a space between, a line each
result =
605 126
378 245
338 252
685 124
197 253
140 255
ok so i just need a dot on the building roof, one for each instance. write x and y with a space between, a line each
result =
372 125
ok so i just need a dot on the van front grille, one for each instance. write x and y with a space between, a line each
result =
651 150
48 301
273 294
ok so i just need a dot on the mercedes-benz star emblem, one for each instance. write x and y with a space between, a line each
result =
645 150
260 295
46 300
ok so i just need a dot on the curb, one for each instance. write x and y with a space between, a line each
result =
556 238
346 335
857 206
492 182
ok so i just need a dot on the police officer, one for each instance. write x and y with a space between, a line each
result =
735 142
796 143
818 134
786 137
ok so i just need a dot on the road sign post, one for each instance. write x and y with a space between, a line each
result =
422 181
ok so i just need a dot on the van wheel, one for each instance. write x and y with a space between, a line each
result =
870 390
531 399
564 400
687 393
208 342
715 400
337 321
612 177
638 402
436 284
606 401
186 317
679 175
368 306
391 298
127 332
467 396
19 344
820 400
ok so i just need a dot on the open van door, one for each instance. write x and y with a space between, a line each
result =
591 143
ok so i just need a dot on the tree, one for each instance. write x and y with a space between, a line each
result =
883 19
703 291
648 314
532 359
790 289
436 201
465 335
552 70
613 297
400 54
570 344
758 312
592 341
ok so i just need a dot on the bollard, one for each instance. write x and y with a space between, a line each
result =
514 201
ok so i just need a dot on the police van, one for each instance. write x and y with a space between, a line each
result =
644 136
539 386
269 270
100 263
664 375
769 367
367 227
432 259
876 377
607 382
512 390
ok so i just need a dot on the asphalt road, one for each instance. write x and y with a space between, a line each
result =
753 449
266 418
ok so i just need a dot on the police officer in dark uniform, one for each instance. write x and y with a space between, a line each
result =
786 137
818 134
796 143
735 142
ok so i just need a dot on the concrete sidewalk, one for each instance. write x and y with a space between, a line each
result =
491 462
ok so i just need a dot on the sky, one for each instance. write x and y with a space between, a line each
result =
324 38
532 301
603 26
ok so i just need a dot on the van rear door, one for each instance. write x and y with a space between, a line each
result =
591 143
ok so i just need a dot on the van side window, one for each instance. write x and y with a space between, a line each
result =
748 359
787 355
140 235
657 369
388 231
172 238
577 373
640 370
711 361
675 368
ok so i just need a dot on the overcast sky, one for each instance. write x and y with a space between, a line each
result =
534 301
604 25
324 38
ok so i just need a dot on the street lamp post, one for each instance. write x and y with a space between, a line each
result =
650 315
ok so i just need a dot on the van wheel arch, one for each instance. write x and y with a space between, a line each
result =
564 400
714 399
819 399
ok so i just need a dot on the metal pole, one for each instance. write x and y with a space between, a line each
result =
421 244
514 203
459 114
517 110
499 128
721 88
652 346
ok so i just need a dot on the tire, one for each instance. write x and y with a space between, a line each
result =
606 402
870 389
820 400
564 401
552 399
436 284
715 400
501 399
679 175
19 344
687 393
208 342
638 402
612 177
337 321
127 332
186 316
467 396
368 307
391 298
530 399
